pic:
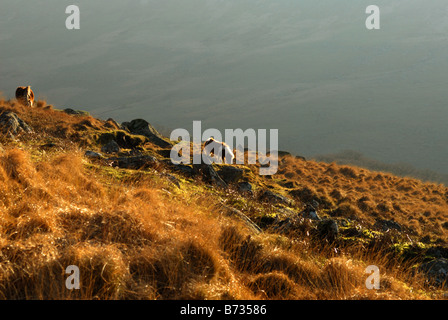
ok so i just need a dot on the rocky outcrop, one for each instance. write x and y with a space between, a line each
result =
436 272
209 174
111 147
93 155
76 112
124 139
309 195
244 187
134 162
327 229
230 174
237 213
269 196
386 225
142 127
309 212
11 125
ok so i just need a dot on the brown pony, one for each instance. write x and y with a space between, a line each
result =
25 96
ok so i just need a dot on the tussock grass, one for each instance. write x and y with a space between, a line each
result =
135 235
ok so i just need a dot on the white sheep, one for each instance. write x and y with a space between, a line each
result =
220 149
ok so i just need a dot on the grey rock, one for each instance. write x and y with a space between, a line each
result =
76 112
244 187
310 212
327 229
436 271
438 251
209 174
142 127
111 147
182 168
268 195
230 174
12 125
134 162
289 184
111 123
385 225
93 154
311 215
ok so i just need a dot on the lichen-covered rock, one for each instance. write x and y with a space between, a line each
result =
327 229
230 174
12 125
93 154
244 187
385 225
269 196
142 127
209 174
436 271
111 147
76 112
134 162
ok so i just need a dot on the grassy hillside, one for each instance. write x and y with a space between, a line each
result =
350 157
167 232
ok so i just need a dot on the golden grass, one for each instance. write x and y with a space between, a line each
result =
143 238
356 192
133 241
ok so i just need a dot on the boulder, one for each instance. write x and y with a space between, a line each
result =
142 127
327 229
184 169
244 187
230 174
111 123
134 162
93 154
12 125
123 138
436 271
111 147
386 225
309 212
209 174
313 215
269 196
439 251
76 112
310 195
289 184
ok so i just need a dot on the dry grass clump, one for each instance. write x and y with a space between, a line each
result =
135 235
350 191
173 271
274 273
128 240
275 285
